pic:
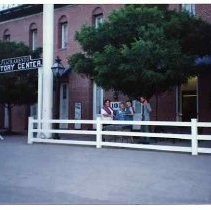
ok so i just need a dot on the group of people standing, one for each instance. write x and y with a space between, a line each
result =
126 111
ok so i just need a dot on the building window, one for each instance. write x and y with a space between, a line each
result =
6 36
34 39
97 17
64 35
33 36
191 8
63 32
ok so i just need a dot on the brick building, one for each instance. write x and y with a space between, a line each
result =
24 23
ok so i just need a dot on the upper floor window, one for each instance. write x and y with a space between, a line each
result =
191 8
6 35
63 32
33 36
97 17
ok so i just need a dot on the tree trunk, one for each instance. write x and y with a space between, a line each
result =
27 115
9 107
156 106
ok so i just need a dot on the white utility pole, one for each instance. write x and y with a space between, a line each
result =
48 46
40 98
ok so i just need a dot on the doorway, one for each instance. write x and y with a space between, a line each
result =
188 100
64 104
98 95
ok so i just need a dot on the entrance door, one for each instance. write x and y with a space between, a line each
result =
188 94
64 104
97 100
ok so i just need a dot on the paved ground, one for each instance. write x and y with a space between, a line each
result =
59 174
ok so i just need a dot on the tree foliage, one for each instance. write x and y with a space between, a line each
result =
17 88
142 49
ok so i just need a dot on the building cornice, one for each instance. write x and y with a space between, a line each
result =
23 10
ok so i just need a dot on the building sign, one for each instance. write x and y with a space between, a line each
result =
115 105
8 6
19 64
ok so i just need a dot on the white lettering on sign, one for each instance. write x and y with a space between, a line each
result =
7 68
19 63
29 65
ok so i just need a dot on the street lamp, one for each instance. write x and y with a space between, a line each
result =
58 70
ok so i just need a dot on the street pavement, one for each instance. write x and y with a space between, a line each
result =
64 174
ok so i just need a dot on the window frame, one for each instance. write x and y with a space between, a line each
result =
97 17
190 8
64 35
62 32
33 39
6 35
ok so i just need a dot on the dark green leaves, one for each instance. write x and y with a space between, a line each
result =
17 87
142 49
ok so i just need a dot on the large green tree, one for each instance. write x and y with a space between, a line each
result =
142 49
16 88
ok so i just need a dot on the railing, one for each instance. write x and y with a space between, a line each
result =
39 135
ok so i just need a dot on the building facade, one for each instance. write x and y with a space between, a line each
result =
80 97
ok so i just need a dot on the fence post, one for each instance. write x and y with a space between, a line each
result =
30 133
194 133
98 135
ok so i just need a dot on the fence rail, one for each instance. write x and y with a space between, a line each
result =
40 135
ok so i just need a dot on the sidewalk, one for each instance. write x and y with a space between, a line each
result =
63 174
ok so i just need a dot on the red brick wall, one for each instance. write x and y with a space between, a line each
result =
19 28
80 89
166 109
204 11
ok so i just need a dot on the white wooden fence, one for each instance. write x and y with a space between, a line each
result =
38 134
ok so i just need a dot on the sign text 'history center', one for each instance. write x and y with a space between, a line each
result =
19 63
